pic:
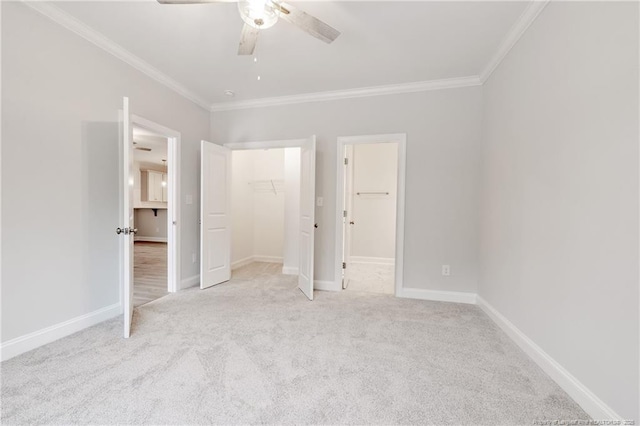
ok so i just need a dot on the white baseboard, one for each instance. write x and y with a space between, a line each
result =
437 295
242 262
22 344
247 260
327 285
372 260
289 270
150 239
268 259
190 282
589 402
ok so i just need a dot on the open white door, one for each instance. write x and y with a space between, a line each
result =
307 215
215 214
127 231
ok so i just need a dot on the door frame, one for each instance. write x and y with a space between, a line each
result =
285 143
343 141
347 204
173 197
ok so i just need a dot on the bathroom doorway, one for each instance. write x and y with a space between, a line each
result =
370 220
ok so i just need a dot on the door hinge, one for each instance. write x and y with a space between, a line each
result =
346 161
344 213
344 265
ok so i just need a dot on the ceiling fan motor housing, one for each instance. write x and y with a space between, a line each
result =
258 13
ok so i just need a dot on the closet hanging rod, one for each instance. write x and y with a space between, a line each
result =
372 193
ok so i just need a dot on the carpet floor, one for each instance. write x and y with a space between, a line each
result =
255 350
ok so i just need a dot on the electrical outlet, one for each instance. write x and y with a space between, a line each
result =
446 270
193 257
189 199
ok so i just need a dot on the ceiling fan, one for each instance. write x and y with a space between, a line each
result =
262 14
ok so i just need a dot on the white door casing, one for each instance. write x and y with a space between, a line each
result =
215 214
307 215
348 218
126 233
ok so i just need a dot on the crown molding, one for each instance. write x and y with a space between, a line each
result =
98 39
515 33
517 30
392 89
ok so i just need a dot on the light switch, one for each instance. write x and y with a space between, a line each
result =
189 199
319 202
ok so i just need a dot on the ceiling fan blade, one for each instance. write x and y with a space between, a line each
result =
195 1
248 39
306 22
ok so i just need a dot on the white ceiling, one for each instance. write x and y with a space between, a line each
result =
144 138
382 43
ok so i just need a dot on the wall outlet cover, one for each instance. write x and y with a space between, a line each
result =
446 270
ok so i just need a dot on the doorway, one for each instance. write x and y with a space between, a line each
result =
265 205
150 207
161 186
154 184
370 219
263 184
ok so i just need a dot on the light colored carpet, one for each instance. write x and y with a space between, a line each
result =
255 350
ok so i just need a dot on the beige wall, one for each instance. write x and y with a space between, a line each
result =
443 142
268 212
260 226
242 205
60 102
150 225
559 229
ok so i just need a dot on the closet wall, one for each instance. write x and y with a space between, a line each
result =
265 196
375 178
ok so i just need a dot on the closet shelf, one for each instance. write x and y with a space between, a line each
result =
275 186
372 194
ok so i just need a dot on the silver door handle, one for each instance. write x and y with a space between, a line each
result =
126 231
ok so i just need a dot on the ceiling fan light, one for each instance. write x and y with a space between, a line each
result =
258 13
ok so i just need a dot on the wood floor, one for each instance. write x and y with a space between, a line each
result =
149 272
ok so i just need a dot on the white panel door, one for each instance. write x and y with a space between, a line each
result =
215 205
307 215
127 231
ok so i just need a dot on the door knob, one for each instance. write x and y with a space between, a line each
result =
126 231
351 222
315 225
